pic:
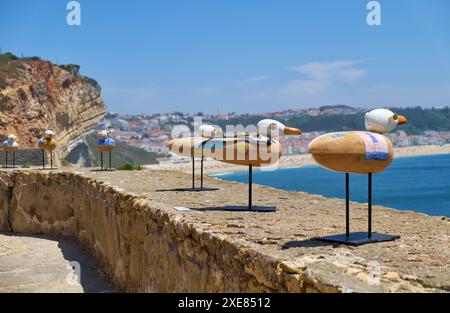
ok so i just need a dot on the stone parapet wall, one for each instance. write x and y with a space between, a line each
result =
140 247
143 245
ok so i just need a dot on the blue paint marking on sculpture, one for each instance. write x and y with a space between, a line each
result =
106 142
376 151
377 156
9 143
374 139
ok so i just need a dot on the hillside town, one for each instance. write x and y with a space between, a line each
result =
152 132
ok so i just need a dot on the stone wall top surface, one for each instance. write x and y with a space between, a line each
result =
419 261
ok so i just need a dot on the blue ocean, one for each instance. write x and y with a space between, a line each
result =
420 184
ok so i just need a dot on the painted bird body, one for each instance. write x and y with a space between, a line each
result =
105 143
241 149
359 152
48 141
10 145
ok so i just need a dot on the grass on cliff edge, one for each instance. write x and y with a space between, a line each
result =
122 154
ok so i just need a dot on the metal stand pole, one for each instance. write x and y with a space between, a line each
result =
109 159
369 232
201 170
43 159
250 182
51 159
6 157
359 238
193 172
347 205
101 160
14 159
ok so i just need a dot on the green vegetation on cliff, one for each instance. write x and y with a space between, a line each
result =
8 68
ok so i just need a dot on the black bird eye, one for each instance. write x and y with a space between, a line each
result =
395 117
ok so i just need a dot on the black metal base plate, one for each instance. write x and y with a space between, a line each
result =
255 208
196 189
358 238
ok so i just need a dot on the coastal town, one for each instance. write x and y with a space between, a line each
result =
152 132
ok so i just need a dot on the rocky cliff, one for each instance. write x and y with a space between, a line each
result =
36 95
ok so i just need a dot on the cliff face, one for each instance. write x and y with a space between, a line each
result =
36 95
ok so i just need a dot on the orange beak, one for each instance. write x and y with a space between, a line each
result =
402 120
292 131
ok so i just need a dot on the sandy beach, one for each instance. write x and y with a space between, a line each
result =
212 166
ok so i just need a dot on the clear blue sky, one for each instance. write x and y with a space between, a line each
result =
244 56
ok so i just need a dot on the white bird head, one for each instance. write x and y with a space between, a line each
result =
272 128
383 121
103 134
12 137
49 133
209 131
